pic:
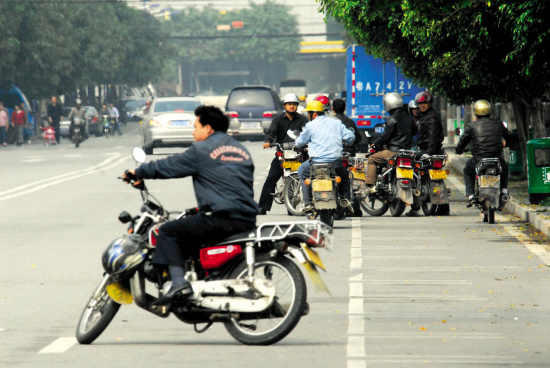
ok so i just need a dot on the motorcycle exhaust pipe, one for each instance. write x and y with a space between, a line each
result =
344 202
417 192
505 198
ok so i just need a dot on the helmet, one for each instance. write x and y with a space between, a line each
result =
412 105
392 101
482 108
123 255
78 101
315 106
324 100
291 97
423 97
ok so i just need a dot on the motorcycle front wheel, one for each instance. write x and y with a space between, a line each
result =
288 307
374 207
397 207
293 196
97 315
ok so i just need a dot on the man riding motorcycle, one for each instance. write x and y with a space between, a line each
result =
397 135
487 136
289 120
339 106
223 176
78 112
324 136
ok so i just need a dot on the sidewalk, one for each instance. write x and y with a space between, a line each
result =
537 216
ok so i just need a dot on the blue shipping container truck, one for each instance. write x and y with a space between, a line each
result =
367 80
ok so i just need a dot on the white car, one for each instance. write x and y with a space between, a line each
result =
169 123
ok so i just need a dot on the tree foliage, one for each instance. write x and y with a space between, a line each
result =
47 46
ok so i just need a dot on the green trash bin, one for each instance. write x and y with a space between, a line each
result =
538 169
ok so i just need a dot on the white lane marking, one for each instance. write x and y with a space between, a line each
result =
449 359
356 253
417 282
434 335
405 247
356 243
441 269
356 290
357 364
356 347
388 238
107 164
29 160
408 257
60 345
356 307
356 324
523 239
357 277
356 263
73 155
419 296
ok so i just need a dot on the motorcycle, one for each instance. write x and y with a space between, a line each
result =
394 186
79 125
487 188
357 168
106 125
248 281
430 185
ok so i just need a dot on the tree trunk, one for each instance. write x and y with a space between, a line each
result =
518 112
443 112
468 115
537 121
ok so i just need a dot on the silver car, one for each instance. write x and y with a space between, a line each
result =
169 123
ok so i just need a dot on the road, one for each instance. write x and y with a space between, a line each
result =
406 292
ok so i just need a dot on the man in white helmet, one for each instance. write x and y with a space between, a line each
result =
288 120
78 112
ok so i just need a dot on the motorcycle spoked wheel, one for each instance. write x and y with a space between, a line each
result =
287 309
397 207
327 216
293 197
97 315
374 206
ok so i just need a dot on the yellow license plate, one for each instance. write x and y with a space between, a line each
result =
359 175
313 257
292 165
437 174
404 173
322 185
489 181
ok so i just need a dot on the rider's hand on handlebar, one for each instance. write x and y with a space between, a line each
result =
267 145
129 177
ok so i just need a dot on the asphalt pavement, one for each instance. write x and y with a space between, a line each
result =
436 291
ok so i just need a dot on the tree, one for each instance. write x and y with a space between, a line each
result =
462 50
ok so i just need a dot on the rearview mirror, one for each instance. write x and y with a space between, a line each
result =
291 134
505 124
458 131
139 155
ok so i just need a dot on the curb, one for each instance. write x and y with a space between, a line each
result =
540 221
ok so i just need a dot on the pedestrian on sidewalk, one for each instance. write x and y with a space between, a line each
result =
18 121
4 124
55 113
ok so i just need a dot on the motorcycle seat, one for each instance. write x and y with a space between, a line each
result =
242 237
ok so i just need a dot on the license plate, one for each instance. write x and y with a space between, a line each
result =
322 185
292 165
437 174
489 181
404 173
359 175
182 123
313 257
250 125
379 130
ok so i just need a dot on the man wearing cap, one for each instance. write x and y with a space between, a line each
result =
288 120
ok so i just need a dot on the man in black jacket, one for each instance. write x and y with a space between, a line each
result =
430 129
288 120
223 176
397 135
487 137
339 106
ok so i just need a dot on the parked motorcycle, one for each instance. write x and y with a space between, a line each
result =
430 185
248 282
394 186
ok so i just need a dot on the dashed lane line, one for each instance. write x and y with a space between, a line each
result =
60 345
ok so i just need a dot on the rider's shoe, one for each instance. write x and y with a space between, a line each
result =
263 211
472 199
308 207
412 213
180 288
372 189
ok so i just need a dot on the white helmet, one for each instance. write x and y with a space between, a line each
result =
392 101
78 101
291 97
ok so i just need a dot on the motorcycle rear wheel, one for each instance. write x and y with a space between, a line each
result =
327 216
289 304
429 209
97 315
397 207
370 207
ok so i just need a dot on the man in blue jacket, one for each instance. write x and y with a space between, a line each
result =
223 176
325 137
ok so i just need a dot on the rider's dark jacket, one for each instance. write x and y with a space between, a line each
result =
486 136
281 124
430 132
399 131
350 124
222 171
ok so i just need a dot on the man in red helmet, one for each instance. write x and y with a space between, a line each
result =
325 101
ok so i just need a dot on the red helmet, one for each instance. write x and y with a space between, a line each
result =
423 97
324 100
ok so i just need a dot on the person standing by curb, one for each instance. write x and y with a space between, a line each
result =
55 114
18 121
3 125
